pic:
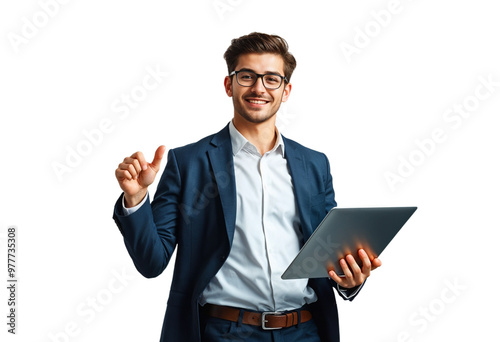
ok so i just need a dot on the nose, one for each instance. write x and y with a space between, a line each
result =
258 87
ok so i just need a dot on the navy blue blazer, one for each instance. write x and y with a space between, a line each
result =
194 208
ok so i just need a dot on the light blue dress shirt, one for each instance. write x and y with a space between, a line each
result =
267 235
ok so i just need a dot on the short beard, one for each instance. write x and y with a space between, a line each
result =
255 120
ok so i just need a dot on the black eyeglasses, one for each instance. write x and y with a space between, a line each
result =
247 78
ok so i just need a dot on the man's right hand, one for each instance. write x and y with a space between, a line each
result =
135 174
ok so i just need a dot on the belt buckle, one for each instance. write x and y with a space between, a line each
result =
264 320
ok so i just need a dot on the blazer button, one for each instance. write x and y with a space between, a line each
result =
223 257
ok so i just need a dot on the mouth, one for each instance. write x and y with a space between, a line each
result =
257 102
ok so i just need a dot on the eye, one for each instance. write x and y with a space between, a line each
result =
273 79
246 76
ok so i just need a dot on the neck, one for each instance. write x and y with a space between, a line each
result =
261 135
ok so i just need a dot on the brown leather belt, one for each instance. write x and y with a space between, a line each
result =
266 320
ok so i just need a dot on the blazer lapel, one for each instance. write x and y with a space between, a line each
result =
298 170
220 155
221 161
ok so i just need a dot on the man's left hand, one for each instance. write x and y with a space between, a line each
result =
354 275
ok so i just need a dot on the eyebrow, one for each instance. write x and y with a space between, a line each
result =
266 73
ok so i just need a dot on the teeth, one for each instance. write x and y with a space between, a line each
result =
256 101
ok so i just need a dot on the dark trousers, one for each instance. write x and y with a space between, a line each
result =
219 330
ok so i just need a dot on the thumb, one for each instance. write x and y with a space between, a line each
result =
155 164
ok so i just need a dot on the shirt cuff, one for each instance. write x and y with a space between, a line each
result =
346 293
130 211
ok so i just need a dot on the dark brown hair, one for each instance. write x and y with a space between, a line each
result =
256 42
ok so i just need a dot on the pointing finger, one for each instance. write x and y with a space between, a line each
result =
155 164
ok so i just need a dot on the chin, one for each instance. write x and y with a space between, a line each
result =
257 119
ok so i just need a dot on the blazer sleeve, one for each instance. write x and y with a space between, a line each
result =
150 232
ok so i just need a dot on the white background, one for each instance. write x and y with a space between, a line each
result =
364 110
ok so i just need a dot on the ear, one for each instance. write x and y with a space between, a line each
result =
228 86
286 92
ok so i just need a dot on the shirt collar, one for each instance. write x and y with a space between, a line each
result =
238 141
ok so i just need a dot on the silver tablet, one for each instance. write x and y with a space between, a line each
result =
344 231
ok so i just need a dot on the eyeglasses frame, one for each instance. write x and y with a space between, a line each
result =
261 76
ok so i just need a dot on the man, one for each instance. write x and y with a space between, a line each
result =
238 205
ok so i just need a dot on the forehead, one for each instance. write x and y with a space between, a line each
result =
261 63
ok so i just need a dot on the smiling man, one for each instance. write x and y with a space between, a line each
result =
238 205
